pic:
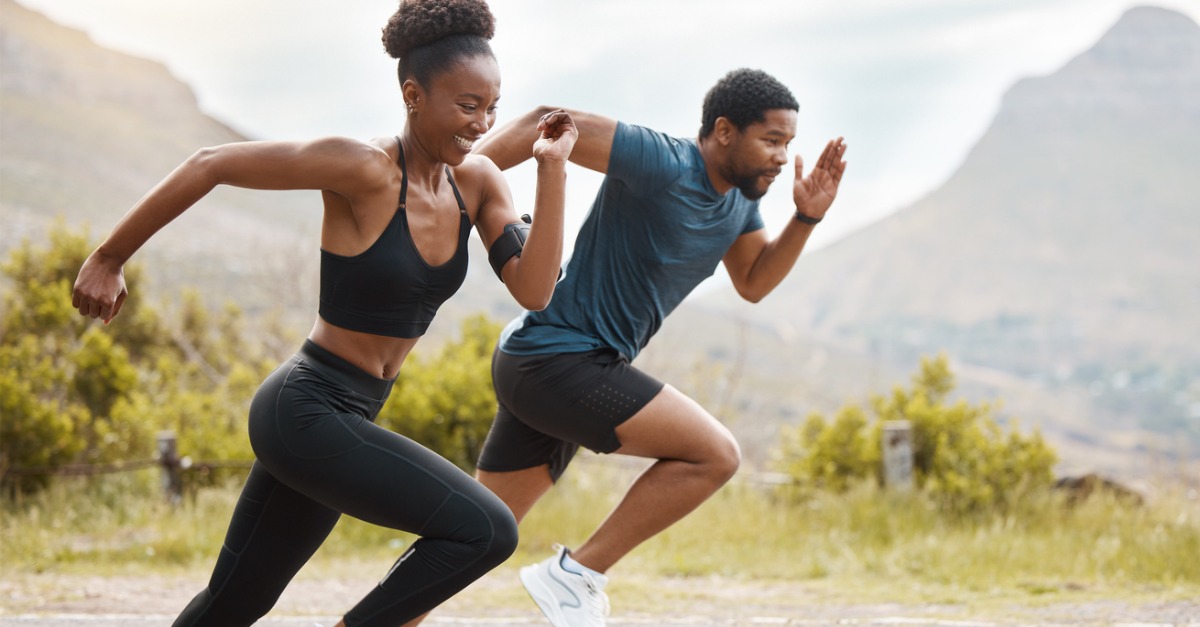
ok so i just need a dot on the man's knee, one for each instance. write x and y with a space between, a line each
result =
726 457
716 453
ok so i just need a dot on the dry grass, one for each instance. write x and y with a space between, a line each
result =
866 544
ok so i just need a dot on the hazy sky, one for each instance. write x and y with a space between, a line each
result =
911 84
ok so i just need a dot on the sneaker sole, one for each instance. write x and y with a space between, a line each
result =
540 593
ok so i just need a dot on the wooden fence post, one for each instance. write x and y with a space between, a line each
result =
897 454
168 459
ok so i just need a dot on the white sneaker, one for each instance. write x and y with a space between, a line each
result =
566 598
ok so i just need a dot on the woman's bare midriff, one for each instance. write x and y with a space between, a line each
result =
377 355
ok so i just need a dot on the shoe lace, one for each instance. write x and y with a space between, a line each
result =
598 605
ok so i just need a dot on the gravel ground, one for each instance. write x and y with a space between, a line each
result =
58 600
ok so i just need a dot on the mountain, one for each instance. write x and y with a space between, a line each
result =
1058 263
87 131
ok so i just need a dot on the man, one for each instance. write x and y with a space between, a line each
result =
668 211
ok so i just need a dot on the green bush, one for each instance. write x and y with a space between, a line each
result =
962 458
75 391
38 426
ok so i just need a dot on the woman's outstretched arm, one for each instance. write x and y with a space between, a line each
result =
344 166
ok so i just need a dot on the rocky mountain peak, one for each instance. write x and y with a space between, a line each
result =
1148 63
1146 38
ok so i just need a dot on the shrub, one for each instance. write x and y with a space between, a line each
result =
75 391
962 457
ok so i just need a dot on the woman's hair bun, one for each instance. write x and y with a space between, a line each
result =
421 22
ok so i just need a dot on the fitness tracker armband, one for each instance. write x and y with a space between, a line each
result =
509 244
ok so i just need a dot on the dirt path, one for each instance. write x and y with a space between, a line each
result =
58 600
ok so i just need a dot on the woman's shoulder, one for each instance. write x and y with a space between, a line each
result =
371 158
361 166
476 171
385 149
350 152
478 179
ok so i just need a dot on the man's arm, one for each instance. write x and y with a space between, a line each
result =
512 143
756 264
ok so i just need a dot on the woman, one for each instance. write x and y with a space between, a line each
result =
397 214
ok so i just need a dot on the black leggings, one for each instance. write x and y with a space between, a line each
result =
320 454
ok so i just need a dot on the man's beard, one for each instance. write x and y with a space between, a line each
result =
747 182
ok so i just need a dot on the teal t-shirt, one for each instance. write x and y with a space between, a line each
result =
656 230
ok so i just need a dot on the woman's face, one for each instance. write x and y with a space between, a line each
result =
456 109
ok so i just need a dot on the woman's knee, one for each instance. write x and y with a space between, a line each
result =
504 535
491 538
481 523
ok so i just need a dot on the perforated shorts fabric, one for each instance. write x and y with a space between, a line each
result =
550 405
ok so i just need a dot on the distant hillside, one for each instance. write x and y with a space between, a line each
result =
1060 262
86 131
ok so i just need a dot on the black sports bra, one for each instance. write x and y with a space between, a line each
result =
389 289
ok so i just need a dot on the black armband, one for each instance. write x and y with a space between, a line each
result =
509 244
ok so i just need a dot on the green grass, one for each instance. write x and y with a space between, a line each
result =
866 543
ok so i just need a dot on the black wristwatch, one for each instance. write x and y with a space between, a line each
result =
800 217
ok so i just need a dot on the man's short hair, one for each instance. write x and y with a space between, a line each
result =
743 97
